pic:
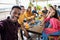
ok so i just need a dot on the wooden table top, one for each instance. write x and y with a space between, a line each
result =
37 29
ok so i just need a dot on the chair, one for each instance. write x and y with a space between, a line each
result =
54 37
59 38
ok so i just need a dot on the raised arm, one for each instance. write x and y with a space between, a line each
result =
47 18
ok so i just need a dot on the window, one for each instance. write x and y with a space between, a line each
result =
5 5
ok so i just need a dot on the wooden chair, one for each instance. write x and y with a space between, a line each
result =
51 38
59 38
54 37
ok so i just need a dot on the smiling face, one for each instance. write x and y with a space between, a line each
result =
22 9
15 14
29 9
51 9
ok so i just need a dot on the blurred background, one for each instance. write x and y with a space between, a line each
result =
6 5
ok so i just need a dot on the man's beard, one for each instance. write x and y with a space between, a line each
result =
15 18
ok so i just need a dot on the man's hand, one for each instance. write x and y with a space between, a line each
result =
25 31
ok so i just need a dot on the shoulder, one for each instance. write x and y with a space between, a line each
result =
53 19
3 20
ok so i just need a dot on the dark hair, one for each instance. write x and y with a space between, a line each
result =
8 17
34 7
28 8
43 11
56 15
44 7
59 7
16 7
55 5
21 6
52 7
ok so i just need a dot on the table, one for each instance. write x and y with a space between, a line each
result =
36 30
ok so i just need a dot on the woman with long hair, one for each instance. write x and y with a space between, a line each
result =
28 14
54 24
